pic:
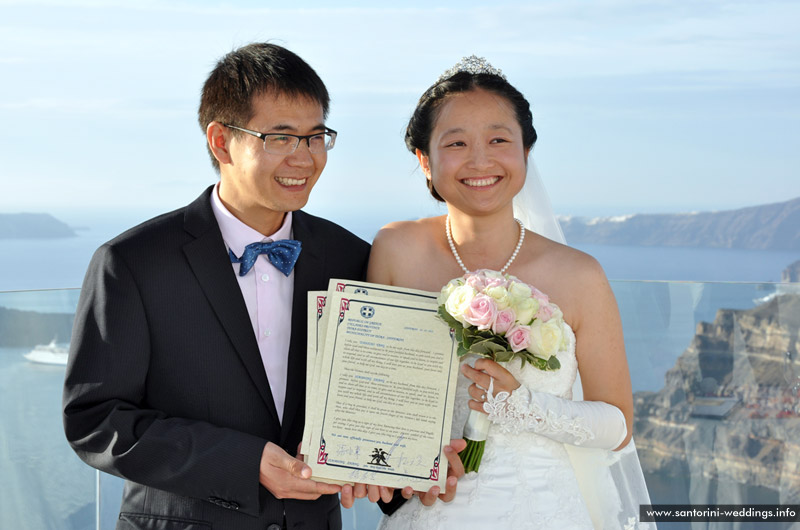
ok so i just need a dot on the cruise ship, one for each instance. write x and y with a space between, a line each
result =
48 354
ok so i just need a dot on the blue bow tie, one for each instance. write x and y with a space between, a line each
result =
282 254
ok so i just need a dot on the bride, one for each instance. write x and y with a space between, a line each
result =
472 133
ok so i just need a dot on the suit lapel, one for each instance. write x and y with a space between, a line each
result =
209 261
309 274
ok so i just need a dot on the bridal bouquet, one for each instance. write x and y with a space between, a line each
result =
499 317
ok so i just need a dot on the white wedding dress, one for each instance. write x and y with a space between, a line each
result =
526 481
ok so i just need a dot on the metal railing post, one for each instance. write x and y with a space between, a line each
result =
97 499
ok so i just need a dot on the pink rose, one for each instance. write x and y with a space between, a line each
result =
504 321
495 282
476 281
545 312
519 337
481 312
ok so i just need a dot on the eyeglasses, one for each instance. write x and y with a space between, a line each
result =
286 144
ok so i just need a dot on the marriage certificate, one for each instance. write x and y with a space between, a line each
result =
380 386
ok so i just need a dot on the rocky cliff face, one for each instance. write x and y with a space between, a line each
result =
792 272
767 227
730 407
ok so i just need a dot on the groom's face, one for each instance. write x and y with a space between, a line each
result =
259 187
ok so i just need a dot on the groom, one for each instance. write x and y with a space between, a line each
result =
187 367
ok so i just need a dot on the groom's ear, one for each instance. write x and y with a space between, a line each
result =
424 163
218 137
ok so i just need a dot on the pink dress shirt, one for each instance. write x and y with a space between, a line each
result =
267 294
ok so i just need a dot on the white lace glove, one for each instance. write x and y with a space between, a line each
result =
586 423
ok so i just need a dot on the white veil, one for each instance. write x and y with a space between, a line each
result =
532 207
612 482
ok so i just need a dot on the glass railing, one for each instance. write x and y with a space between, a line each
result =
715 374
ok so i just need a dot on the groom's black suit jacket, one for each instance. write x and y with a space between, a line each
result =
165 386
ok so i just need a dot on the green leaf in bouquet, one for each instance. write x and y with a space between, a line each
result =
485 333
539 364
468 338
495 346
476 340
504 356
473 336
482 347
472 332
553 363
525 357
461 351
449 320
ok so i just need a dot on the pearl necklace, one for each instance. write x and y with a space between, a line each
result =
461 263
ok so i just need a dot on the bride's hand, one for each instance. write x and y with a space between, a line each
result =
484 372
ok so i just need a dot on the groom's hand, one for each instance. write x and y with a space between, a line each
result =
359 491
455 470
287 477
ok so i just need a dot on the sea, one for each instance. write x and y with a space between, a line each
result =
45 486
35 264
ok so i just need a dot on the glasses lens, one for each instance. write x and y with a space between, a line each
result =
321 142
330 140
286 144
318 143
280 144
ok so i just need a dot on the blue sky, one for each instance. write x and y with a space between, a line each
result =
640 106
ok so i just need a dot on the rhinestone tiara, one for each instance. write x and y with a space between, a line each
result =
473 65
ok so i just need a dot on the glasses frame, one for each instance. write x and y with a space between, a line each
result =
300 138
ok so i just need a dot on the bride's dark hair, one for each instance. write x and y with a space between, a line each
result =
420 126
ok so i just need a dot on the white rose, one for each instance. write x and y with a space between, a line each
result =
525 309
500 295
519 291
546 338
447 290
458 302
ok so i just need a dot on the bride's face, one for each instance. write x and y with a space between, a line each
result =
476 158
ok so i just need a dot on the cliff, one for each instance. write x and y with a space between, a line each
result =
768 227
792 272
729 410
32 226
22 329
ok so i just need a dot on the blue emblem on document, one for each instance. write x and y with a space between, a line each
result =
367 311
361 290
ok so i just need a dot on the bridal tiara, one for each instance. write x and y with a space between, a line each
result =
473 65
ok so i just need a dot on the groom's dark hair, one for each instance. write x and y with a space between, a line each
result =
420 126
250 71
